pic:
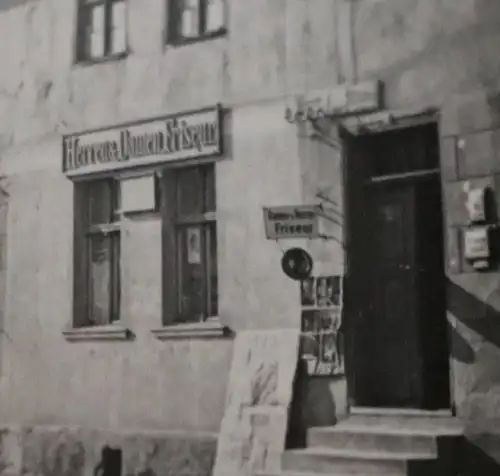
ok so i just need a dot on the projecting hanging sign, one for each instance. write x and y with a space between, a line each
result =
341 100
178 137
301 221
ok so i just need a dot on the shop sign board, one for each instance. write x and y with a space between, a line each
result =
300 221
190 135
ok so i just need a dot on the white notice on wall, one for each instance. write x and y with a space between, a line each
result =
138 194
476 243
475 204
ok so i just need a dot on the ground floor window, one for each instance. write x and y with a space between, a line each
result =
189 247
189 244
97 253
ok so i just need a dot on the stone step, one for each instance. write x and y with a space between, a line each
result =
403 417
356 438
335 461
297 473
393 435
445 412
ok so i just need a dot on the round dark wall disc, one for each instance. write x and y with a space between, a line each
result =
297 264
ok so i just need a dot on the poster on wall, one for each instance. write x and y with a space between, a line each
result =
321 342
193 245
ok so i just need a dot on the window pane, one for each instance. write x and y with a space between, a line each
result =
190 18
119 27
101 202
95 32
192 275
213 294
388 149
115 277
97 21
100 280
215 15
96 45
210 189
118 41
190 191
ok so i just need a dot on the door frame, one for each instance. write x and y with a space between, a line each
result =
355 178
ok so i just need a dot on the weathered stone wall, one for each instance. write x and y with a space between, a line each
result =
441 54
42 95
66 451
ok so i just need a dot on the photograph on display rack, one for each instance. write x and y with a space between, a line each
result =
321 342
328 291
308 292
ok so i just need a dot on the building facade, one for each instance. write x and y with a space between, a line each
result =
141 142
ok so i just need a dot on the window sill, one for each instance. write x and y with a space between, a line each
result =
104 59
181 41
197 330
112 332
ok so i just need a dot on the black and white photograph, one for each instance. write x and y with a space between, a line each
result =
320 342
328 291
310 321
308 291
249 237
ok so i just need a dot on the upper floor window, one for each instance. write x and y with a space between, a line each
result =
191 20
102 29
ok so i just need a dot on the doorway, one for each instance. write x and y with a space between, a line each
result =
395 284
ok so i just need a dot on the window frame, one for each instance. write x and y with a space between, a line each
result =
174 36
83 8
83 232
173 223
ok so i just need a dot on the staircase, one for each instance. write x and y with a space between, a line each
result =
376 442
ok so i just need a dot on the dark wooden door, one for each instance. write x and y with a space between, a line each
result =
390 335
401 333
395 305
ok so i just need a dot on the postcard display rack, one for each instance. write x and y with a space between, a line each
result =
321 316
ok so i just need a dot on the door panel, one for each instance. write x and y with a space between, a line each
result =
391 315
432 296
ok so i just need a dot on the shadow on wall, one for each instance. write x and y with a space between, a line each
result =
312 405
480 453
478 461
475 314
297 431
